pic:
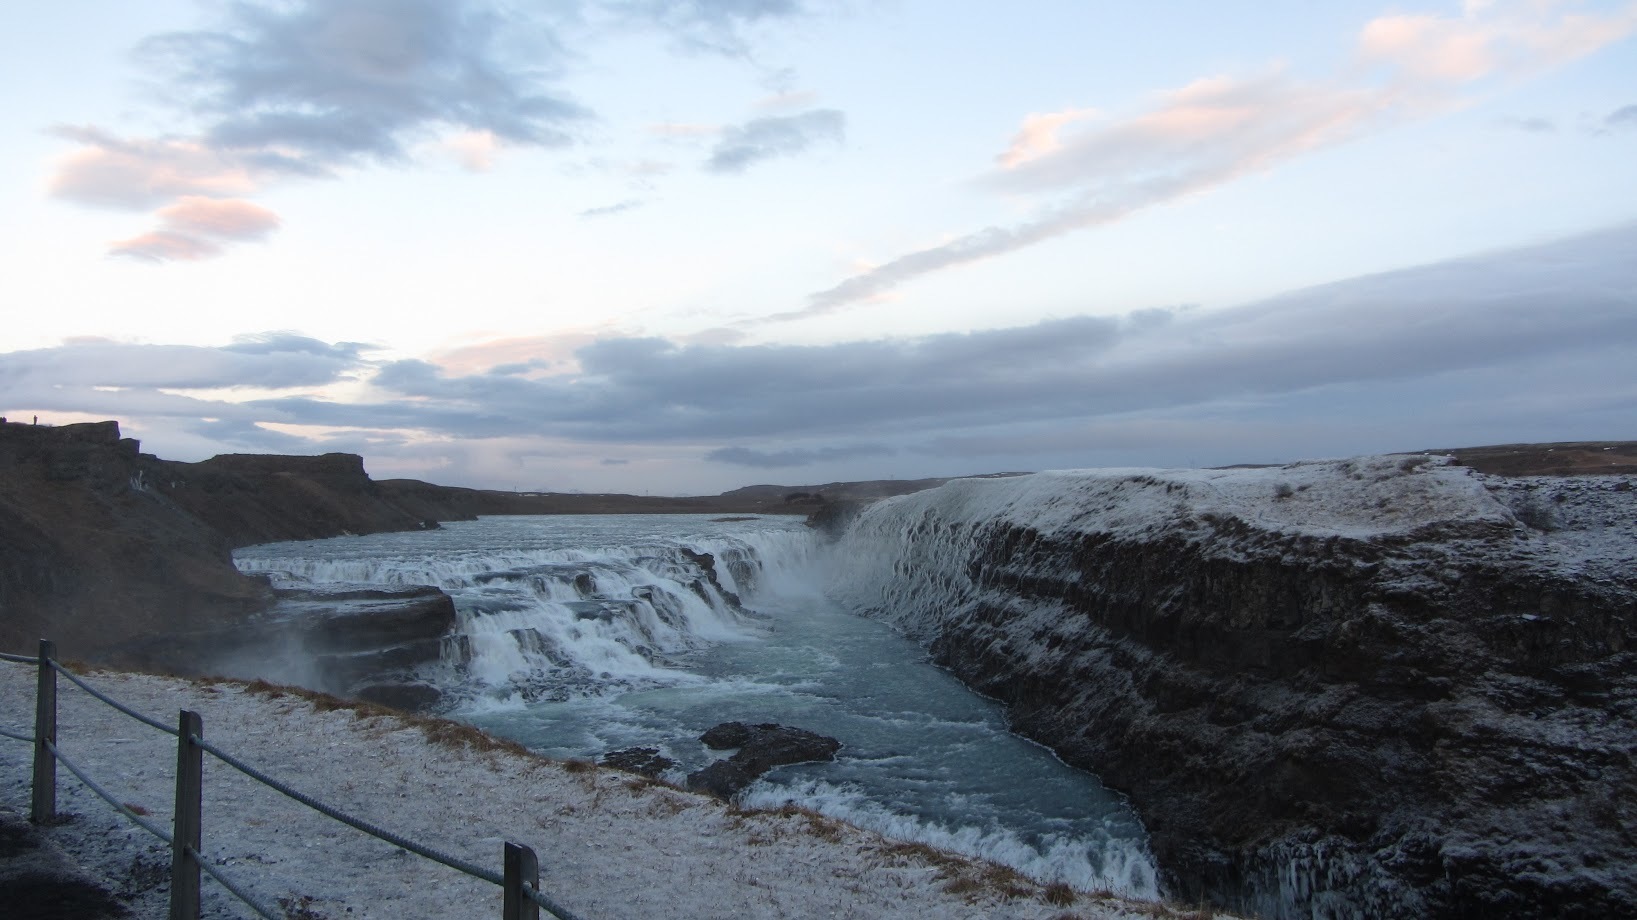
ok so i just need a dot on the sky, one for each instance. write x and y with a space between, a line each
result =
682 246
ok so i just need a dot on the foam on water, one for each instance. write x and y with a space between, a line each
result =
552 611
581 635
1087 861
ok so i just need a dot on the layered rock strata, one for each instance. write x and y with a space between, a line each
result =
1380 687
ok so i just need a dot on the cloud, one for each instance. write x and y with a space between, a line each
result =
711 26
742 146
111 172
1571 297
473 150
745 456
786 101
294 343
678 129
270 361
554 351
1533 343
1624 117
1534 125
335 81
311 88
1515 37
1218 129
1038 136
618 207
197 228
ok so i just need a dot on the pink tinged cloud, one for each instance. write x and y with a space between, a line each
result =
1218 129
1038 136
1197 137
197 228
112 172
1492 38
474 150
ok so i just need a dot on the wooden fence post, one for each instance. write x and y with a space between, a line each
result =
521 868
185 831
43 808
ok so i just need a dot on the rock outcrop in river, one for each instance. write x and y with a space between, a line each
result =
1378 687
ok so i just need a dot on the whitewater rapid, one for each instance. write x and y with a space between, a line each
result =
579 635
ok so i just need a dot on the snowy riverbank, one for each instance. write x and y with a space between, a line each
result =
610 844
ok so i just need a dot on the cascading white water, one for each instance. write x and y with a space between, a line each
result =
581 635
548 612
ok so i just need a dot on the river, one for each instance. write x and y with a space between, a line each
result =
580 635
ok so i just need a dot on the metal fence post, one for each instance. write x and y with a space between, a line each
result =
185 832
521 868
43 808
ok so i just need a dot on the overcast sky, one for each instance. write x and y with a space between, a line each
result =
680 247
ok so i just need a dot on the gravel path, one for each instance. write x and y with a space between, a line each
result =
610 844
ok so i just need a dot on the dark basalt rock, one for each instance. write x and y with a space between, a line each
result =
644 760
761 748
341 641
1433 724
707 561
415 696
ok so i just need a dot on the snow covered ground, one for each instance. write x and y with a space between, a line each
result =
610 845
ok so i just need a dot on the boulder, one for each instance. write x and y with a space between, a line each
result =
644 760
410 696
761 748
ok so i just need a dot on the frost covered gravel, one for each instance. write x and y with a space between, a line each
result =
610 845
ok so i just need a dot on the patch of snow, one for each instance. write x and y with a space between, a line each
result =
609 844
1360 498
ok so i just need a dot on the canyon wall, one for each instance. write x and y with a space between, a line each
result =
1379 687
121 557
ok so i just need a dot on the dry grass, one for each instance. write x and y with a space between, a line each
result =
441 732
970 878
925 855
812 822
1172 912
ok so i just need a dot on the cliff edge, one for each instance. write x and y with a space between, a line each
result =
1388 686
120 556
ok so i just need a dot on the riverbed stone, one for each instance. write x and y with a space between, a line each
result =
761 748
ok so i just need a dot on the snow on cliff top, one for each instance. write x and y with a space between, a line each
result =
1361 498
1577 525
610 845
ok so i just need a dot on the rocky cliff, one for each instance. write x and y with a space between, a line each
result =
124 558
258 498
109 550
1380 687
91 554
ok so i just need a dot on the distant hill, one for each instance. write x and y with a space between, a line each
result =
1564 458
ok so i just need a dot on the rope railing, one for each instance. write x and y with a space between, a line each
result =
453 862
249 899
75 680
522 898
108 797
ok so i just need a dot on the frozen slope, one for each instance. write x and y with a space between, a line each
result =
1371 687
